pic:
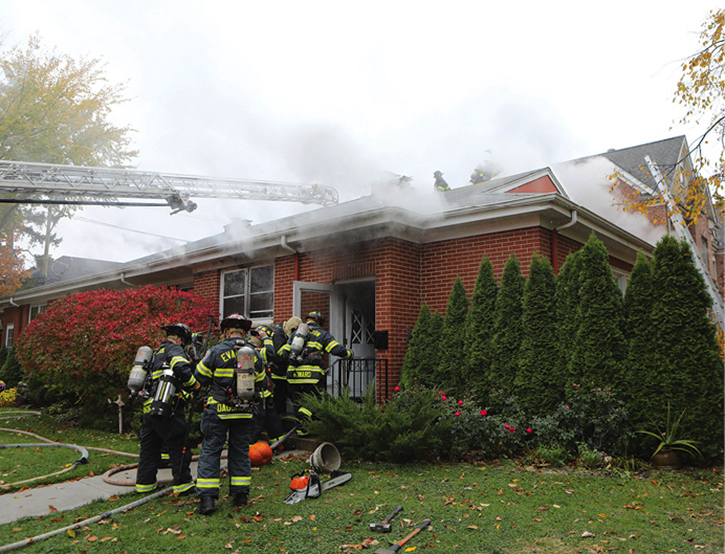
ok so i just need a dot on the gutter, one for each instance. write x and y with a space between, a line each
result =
12 303
283 243
555 240
123 280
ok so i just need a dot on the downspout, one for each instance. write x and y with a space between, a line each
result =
12 303
283 244
123 280
555 241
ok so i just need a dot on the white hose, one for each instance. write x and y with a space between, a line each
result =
94 519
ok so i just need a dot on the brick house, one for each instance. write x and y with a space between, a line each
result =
369 263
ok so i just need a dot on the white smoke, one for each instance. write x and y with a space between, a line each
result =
586 182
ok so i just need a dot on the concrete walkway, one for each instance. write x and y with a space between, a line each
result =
43 501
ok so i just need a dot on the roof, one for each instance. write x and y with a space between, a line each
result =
67 268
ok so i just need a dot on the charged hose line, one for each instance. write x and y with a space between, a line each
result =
82 460
80 524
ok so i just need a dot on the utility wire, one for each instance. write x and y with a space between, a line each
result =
127 229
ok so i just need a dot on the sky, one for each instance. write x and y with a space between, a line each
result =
336 93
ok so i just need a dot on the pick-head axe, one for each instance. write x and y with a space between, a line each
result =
393 549
384 526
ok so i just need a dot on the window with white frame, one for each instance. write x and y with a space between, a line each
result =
35 311
9 333
249 291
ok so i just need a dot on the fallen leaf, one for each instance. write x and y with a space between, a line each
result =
53 508
587 534
71 533
92 538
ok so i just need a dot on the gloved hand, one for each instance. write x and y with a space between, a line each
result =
351 354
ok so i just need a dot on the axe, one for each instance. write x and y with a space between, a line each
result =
384 526
393 549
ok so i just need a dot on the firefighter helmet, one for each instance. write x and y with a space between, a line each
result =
317 317
266 329
178 330
290 326
235 321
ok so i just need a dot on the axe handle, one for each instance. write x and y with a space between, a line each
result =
412 534
395 513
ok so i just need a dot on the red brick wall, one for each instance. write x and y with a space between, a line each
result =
18 317
208 285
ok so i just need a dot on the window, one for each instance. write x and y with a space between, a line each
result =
9 332
35 311
249 291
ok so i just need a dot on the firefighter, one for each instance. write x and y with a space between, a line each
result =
276 352
440 183
163 425
235 371
268 419
306 370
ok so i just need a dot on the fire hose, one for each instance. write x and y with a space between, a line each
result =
80 524
82 460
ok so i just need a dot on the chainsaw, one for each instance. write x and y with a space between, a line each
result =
308 485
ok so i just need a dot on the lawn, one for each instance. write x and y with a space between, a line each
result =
500 507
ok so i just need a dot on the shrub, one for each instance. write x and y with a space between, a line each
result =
595 418
11 371
82 346
9 398
407 428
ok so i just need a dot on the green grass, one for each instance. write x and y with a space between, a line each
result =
19 464
491 508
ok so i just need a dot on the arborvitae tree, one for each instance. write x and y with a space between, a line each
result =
506 340
638 327
414 356
688 361
599 350
538 387
479 327
11 372
452 373
567 303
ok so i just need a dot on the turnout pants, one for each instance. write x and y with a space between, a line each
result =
217 431
163 434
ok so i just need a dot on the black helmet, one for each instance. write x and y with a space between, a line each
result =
178 330
317 317
235 321
266 329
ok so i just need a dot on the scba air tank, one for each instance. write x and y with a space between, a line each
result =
244 373
139 370
299 339
163 404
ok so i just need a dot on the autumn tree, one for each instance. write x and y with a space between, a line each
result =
701 92
55 109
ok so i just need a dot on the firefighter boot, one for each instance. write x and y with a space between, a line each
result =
240 499
206 506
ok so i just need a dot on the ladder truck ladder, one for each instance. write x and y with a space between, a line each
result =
41 183
680 227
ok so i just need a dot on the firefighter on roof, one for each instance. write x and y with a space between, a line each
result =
306 371
163 424
440 183
235 371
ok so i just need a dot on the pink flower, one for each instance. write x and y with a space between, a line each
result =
484 412
512 428
458 414
441 393
506 426
444 398
460 402
396 389
529 430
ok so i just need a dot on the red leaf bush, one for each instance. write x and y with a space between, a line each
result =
82 347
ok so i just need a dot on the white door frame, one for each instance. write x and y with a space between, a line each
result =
337 310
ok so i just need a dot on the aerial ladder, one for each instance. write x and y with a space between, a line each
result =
40 183
680 228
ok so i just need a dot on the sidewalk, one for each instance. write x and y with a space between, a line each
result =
42 501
